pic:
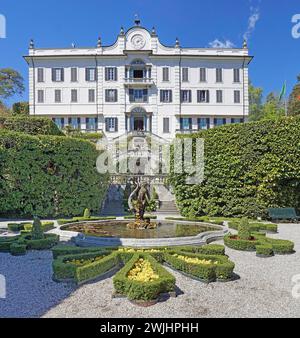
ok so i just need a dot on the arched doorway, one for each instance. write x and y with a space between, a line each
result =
139 120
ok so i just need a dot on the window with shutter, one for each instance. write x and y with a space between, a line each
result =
237 96
166 125
166 77
40 96
74 74
203 96
111 74
57 96
186 96
236 75
57 74
219 96
202 74
185 74
91 95
219 75
90 74
74 95
40 74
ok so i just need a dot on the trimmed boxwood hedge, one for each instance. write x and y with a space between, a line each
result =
249 168
279 246
67 271
210 249
48 242
48 176
208 273
17 249
264 250
63 221
31 125
135 290
239 244
93 270
269 227
63 250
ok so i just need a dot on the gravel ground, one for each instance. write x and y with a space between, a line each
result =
264 290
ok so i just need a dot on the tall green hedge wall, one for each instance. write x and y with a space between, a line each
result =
248 168
30 125
48 176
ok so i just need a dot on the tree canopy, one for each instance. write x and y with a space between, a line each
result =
294 100
11 83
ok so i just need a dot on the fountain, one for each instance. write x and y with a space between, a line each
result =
137 202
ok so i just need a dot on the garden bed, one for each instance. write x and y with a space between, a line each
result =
145 286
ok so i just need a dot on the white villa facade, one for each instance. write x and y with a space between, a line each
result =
139 84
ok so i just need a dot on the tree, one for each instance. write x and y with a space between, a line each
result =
294 100
11 83
20 108
3 109
255 102
273 108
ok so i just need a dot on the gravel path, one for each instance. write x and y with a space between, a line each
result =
264 290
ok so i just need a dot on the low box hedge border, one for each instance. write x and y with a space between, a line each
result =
222 271
10 245
145 216
63 221
268 227
148 291
264 250
94 270
64 250
17 249
233 242
46 243
279 246
27 226
66 271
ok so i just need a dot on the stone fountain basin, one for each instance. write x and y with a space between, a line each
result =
83 240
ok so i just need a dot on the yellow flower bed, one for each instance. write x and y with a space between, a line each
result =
194 260
80 262
131 250
142 272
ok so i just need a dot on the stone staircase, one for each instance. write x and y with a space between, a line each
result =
113 205
168 207
167 201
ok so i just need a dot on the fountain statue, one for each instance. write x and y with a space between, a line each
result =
137 202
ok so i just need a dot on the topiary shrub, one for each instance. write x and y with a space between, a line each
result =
37 232
244 230
87 214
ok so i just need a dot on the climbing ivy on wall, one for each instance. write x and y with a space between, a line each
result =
248 168
48 176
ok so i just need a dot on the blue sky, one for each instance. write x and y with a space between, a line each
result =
58 23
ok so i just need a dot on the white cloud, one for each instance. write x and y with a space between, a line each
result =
252 21
221 44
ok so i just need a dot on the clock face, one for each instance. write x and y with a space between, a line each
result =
138 41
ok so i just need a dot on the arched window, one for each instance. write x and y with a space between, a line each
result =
138 62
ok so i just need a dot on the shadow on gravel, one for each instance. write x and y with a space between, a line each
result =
30 290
